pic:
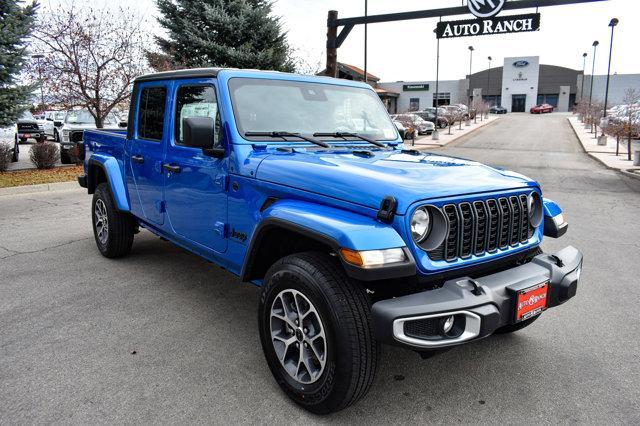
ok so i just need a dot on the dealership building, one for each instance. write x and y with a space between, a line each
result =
519 84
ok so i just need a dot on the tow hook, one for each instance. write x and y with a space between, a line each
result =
557 260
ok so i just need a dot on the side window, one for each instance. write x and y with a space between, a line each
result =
196 101
151 113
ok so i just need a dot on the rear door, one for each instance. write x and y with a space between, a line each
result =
147 151
195 192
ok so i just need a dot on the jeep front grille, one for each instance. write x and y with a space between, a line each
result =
483 226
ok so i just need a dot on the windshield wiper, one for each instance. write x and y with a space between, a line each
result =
285 135
345 135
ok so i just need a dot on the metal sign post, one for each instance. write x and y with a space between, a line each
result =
484 10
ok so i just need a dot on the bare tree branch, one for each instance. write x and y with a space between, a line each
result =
91 57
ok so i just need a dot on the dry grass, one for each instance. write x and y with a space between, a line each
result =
33 177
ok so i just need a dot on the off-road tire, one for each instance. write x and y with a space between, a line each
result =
65 158
121 225
16 152
351 355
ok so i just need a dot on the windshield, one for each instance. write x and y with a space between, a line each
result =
84 117
26 116
261 105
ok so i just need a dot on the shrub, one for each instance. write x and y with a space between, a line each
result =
44 155
5 156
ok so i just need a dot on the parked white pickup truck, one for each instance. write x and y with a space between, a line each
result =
72 130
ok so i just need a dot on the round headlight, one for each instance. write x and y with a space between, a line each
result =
534 207
420 224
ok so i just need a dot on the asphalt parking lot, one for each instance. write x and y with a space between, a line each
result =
164 337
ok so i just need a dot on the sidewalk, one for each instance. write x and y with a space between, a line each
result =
605 154
426 141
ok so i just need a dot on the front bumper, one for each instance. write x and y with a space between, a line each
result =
25 134
479 306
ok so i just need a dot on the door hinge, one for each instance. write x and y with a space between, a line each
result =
220 228
160 206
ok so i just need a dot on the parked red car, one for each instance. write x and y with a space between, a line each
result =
541 109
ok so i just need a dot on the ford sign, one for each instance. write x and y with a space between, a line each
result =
520 64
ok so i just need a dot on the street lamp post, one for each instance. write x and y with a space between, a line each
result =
584 64
435 135
593 68
488 83
365 43
37 57
471 49
603 138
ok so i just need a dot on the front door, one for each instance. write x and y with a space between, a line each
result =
147 151
195 192
518 103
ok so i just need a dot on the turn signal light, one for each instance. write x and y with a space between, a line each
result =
372 258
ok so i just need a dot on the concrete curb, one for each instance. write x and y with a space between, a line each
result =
435 144
41 187
630 174
626 172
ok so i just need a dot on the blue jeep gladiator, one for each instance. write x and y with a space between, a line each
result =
302 186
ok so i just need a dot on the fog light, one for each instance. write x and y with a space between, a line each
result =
447 324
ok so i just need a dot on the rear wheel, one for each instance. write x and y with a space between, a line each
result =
113 230
16 152
64 157
316 332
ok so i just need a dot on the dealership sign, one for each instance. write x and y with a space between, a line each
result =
495 25
414 87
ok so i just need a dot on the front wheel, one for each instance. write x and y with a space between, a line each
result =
316 332
112 229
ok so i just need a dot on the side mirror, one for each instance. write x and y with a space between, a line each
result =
57 123
198 132
49 119
123 124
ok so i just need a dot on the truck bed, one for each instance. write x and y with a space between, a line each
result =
105 141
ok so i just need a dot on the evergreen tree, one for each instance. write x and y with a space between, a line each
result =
16 23
223 33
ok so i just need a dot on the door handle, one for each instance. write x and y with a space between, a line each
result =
172 168
138 158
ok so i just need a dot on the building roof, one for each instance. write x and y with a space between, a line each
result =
352 73
359 71
386 92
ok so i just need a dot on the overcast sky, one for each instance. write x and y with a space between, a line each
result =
406 50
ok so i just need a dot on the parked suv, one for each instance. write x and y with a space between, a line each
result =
302 186
430 115
414 121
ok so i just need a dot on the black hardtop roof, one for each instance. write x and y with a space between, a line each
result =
187 73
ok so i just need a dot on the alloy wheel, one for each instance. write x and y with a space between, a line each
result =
298 336
102 221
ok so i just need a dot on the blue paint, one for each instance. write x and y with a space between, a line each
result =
214 206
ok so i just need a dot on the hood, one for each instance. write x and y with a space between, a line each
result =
26 121
367 180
